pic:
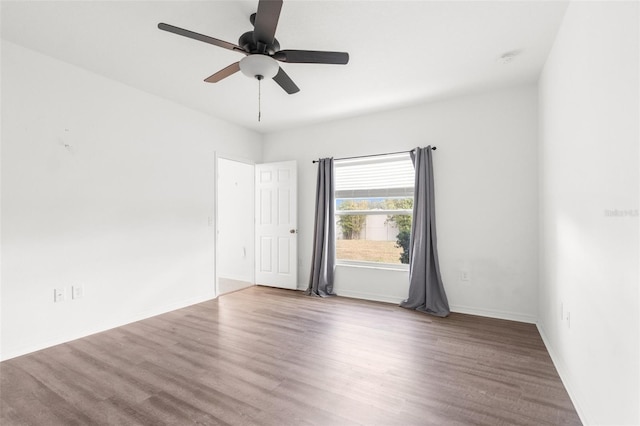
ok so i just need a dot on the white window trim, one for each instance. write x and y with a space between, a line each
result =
373 265
374 211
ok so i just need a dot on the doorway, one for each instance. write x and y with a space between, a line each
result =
234 225
256 224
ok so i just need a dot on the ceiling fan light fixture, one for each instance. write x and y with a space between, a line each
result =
259 65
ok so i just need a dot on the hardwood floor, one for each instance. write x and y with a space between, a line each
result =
264 356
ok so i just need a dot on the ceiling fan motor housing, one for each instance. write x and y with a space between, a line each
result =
250 45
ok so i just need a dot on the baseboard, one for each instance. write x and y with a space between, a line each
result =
229 285
563 372
34 347
491 313
237 278
511 316
370 296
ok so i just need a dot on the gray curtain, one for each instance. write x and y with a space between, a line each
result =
426 291
324 241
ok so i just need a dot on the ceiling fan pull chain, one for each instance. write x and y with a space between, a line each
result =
259 77
259 99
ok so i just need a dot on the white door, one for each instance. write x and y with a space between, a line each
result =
276 224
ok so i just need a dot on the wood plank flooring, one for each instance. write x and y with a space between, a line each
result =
265 356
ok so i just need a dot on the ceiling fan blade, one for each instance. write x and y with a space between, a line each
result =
285 82
200 37
223 73
266 21
312 57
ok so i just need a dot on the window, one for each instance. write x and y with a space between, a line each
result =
374 206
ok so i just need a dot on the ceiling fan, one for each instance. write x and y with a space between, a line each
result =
262 49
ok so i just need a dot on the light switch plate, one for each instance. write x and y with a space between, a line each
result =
58 295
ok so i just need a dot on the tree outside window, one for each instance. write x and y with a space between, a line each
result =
403 223
352 225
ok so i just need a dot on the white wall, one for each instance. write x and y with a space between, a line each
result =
122 210
589 162
486 195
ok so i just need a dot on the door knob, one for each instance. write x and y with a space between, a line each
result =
293 231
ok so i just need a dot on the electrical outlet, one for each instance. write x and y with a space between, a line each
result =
58 295
465 275
77 292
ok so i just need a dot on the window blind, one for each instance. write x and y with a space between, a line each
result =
375 177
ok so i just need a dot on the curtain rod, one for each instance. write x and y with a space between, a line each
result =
433 148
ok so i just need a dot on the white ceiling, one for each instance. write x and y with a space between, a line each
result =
401 52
